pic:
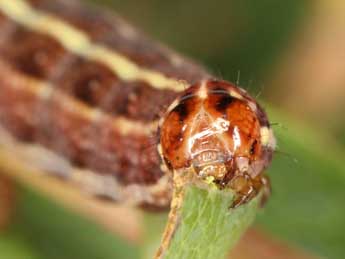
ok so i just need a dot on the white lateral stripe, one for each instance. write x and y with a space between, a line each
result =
79 43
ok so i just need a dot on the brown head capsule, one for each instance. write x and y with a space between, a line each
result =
221 133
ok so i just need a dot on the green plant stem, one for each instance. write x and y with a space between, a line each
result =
207 227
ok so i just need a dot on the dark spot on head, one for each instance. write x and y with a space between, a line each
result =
252 148
224 102
182 110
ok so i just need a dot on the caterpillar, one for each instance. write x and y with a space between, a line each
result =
89 99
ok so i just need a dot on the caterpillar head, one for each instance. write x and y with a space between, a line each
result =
219 131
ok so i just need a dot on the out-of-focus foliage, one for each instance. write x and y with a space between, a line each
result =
42 229
308 178
13 246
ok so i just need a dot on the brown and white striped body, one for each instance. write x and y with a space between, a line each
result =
82 93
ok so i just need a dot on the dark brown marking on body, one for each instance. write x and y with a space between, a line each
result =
32 53
90 82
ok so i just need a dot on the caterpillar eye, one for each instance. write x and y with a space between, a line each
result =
218 130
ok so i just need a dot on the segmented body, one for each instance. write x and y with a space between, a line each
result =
85 85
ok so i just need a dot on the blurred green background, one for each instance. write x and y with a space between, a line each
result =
289 53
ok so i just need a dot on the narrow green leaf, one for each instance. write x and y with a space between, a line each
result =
208 228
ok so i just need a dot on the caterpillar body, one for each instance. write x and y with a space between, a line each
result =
88 98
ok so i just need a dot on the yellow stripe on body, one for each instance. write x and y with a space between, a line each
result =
79 43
